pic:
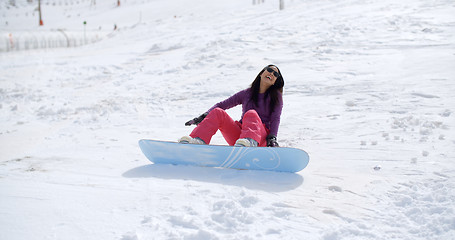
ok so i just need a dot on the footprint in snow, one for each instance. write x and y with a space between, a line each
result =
335 189
129 236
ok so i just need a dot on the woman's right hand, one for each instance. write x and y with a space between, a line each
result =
196 120
271 141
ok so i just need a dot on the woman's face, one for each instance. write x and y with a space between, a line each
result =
269 78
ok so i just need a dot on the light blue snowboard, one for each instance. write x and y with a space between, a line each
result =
279 159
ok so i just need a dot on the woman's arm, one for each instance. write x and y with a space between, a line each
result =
232 101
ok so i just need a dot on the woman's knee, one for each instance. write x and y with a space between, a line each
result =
251 114
218 112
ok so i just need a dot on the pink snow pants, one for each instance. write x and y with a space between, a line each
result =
251 127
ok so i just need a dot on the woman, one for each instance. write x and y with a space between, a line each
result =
261 111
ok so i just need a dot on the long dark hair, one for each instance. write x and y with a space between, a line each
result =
272 91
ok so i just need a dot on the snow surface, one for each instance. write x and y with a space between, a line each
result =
369 94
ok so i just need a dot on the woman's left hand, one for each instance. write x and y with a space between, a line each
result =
196 120
271 141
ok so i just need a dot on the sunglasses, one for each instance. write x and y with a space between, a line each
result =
271 70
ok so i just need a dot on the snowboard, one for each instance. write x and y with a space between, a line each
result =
280 159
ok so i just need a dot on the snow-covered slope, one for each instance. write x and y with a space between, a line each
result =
370 89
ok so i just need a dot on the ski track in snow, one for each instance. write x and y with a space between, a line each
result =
369 94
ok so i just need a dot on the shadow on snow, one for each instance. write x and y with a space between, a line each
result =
259 180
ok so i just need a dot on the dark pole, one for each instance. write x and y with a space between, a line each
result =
39 10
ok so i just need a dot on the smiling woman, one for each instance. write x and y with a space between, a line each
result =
261 112
268 78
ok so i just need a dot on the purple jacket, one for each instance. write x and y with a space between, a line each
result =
271 119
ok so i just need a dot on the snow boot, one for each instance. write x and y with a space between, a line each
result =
246 142
190 140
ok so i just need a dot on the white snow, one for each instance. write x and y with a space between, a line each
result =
369 94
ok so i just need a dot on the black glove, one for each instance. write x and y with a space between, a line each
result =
196 120
271 141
